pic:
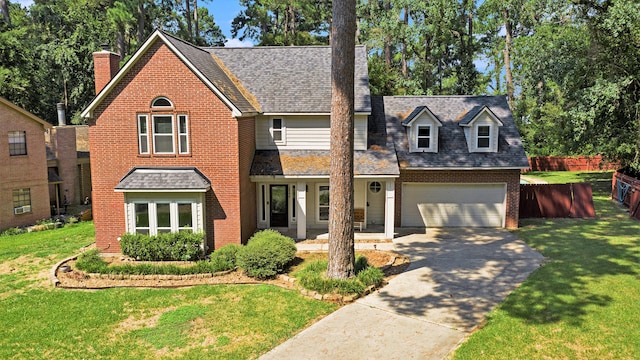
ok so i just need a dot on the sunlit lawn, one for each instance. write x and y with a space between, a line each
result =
584 303
213 322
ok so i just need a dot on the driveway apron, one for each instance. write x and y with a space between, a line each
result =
455 278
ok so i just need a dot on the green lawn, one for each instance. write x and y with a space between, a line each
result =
214 322
584 303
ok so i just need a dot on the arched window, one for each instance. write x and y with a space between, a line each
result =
161 102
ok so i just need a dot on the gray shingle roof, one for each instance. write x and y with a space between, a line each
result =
164 178
452 152
208 66
415 113
293 79
375 161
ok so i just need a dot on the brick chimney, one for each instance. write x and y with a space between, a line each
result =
105 66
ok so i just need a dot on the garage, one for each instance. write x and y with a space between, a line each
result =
453 205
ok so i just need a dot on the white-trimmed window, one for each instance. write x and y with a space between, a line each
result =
161 103
322 198
164 215
21 201
423 137
483 137
183 134
17 143
143 134
277 129
163 135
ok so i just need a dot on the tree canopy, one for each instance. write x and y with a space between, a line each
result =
570 68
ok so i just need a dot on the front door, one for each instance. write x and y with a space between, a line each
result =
279 205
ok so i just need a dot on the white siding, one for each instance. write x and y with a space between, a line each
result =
306 132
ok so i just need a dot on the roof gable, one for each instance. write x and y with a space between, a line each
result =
416 114
469 117
24 112
203 65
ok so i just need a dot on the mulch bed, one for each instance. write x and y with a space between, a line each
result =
391 263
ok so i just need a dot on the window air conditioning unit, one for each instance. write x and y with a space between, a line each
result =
22 209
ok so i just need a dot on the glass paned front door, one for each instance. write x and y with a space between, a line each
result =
279 208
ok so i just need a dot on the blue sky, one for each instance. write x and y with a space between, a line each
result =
223 13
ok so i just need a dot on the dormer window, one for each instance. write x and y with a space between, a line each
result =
481 129
423 134
483 136
422 130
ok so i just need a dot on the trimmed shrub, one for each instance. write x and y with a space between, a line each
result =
226 255
90 261
181 246
266 254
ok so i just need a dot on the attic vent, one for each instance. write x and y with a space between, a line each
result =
161 102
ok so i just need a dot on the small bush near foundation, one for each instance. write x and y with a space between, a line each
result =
181 246
12 231
90 261
313 277
226 255
266 254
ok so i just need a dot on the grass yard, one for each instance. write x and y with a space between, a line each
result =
584 303
214 322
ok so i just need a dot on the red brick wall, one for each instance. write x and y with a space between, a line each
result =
22 171
247 147
63 142
214 145
510 177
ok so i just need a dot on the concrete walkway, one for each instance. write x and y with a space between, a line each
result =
456 277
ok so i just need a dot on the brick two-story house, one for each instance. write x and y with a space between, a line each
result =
24 191
229 140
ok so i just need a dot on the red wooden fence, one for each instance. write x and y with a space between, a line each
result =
556 201
566 163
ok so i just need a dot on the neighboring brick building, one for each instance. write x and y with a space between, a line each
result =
226 141
24 194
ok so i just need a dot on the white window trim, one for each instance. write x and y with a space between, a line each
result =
318 203
140 135
293 212
161 107
185 134
477 137
196 222
173 133
430 137
282 130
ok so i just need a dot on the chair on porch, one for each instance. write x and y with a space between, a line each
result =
358 218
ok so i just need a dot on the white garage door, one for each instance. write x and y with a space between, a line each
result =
453 205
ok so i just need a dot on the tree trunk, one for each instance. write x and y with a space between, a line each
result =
195 18
387 40
341 243
4 7
142 15
507 56
405 22
188 16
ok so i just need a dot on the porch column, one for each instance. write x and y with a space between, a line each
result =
389 209
301 209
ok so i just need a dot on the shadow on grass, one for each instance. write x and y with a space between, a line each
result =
580 254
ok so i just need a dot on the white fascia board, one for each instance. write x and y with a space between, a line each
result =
88 112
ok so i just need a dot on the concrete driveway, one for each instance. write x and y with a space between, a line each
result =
456 277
